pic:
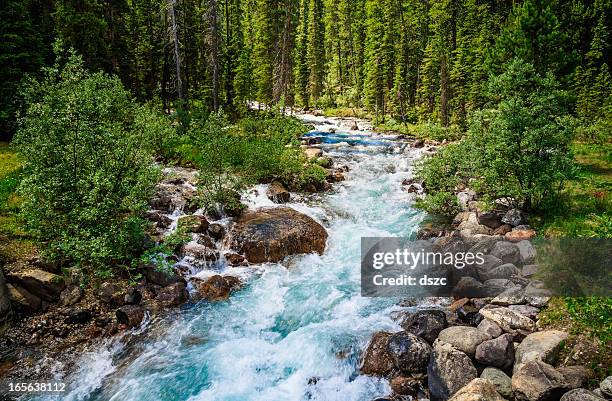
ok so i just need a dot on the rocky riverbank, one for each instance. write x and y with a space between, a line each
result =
488 344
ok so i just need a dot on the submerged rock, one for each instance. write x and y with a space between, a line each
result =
271 234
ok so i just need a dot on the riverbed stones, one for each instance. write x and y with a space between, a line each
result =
426 324
464 338
525 310
45 285
501 381
477 390
448 371
581 394
542 345
192 224
376 359
409 353
498 352
508 320
512 296
271 234
507 252
538 381
277 193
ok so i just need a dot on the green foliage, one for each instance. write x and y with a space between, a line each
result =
88 170
258 148
519 149
439 203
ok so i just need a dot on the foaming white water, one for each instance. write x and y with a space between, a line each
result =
296 331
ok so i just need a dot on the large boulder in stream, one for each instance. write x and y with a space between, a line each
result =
271 234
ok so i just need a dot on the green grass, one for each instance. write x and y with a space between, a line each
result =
585 205
14 241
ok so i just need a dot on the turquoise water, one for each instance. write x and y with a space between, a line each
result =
295 331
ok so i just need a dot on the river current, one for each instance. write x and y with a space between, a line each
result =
295 331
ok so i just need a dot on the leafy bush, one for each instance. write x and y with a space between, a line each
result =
519 149
439 203
88 169
255 149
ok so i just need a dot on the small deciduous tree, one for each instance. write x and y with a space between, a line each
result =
89 170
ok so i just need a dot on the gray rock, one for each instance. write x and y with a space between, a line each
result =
606 387
409 353
498 352
490 328
576 376
511 296
448 371
500 380
71 295
464 338
485 245
581 394
498 285
508 320
426 324
527 251
507 252
464 197
525 310
514 217
538 381
504 271
478 390
469 287
542 346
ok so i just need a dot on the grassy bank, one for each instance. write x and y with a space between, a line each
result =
14 242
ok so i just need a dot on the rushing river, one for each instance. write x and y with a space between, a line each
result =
296 329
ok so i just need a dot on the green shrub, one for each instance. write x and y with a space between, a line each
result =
88 170
439 203
519 149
